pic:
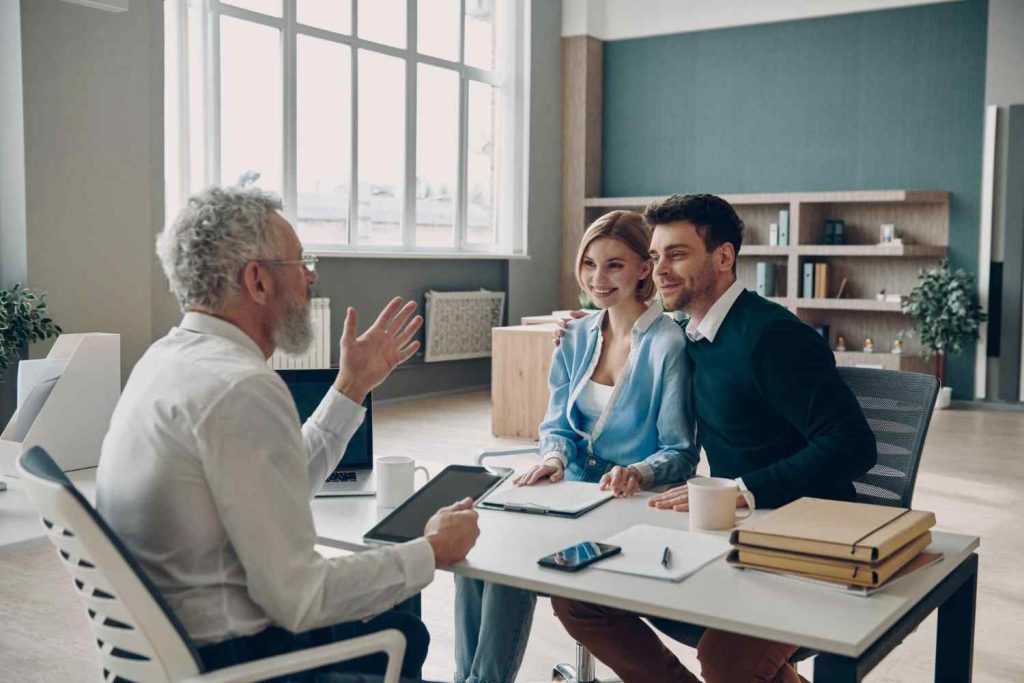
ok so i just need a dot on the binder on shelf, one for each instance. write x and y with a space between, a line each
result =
765 279
829 233
853 573
783 227
838 232
820 280
808 290
856 532
773 235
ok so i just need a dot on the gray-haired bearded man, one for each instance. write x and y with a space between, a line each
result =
206 473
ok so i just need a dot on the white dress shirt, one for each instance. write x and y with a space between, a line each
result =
207 478
709 324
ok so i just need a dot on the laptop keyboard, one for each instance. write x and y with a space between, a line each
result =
342 476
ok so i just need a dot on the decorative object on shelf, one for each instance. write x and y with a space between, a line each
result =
881 295
869 346
897 345
783 227
24 318
946 314
773 234
840 343
887 234
894 298
842 287
838 232
765 279
835 231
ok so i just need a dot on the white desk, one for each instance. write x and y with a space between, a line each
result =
857 632
20 526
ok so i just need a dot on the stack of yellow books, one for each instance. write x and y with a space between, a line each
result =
853 544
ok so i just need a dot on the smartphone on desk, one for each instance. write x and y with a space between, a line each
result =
578 556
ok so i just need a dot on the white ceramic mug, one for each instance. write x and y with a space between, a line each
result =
713 503
395 479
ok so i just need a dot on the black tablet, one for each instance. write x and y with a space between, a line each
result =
451 485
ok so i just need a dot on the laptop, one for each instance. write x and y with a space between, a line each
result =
354 474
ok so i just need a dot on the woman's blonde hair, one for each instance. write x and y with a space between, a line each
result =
632 230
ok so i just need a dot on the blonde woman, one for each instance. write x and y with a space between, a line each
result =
620 415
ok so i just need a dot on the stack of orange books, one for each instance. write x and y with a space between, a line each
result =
852 544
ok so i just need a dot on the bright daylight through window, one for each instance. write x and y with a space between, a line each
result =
387 126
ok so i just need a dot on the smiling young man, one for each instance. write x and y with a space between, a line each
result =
772 412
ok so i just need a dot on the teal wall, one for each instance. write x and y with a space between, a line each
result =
879 100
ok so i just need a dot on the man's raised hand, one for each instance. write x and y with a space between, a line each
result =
366 360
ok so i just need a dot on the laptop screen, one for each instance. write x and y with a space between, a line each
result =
308 388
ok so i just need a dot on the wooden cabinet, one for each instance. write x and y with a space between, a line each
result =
520 360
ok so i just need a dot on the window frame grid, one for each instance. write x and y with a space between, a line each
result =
509 228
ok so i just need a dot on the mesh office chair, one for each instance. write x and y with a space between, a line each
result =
138 636
898 407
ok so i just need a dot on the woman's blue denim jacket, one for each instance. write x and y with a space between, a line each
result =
649 420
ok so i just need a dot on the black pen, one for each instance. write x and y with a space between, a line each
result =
666 558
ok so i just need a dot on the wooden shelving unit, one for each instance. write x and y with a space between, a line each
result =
868 267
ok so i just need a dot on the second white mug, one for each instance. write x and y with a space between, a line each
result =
713 503
395 479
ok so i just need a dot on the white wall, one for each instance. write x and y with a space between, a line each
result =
12 142
93 100
619 19
533 283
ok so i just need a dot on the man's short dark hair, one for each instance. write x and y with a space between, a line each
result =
715 219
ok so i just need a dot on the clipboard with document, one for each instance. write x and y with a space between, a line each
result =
562 499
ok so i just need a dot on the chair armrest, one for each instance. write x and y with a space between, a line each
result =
497 454
390 641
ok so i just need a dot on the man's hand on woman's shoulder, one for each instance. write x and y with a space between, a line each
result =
563 325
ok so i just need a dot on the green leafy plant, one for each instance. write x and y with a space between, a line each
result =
24 318
946 312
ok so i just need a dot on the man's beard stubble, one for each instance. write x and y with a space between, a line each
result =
699 287
293 332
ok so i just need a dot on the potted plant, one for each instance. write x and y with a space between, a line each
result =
946 316
24 319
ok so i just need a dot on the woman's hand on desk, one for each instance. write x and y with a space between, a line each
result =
623 481
537 473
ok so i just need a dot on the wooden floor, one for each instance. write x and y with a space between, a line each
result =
971 476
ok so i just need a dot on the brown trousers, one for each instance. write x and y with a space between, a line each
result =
627 644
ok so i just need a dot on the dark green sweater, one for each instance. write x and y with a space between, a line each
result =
772 409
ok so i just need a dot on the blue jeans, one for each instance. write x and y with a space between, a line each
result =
492 626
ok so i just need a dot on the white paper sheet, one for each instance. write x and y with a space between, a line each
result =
567 497
643 546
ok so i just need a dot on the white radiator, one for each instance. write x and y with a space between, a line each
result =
459 324
318 355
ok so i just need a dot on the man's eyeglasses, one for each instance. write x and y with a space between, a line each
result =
308 262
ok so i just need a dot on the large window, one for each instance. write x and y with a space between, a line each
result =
387 126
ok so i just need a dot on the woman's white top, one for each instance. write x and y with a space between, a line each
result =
593 400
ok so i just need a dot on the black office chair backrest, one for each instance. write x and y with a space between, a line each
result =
898 407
